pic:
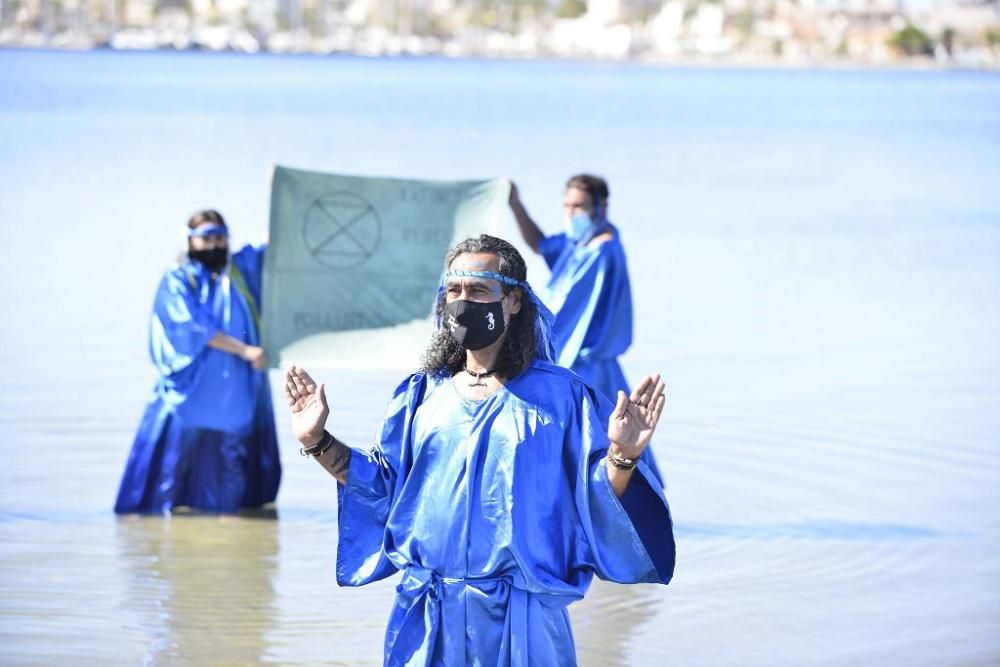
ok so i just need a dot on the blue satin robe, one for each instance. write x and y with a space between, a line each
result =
207 438
499 512
590 294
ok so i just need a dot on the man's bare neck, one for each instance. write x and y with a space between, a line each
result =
480 378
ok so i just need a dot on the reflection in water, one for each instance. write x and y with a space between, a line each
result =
608 619
200 587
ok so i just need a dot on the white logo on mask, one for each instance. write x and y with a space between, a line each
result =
492 325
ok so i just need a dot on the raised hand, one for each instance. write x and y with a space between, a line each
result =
514 197
634 420
308 404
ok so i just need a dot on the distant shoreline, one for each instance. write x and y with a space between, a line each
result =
915 64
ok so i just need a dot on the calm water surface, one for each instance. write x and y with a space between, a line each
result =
816 268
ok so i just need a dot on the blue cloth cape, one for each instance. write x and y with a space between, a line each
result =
590 294
499 513
207 438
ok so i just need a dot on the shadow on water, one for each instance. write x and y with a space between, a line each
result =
200 588
268 512
811 530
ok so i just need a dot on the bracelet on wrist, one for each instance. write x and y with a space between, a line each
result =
325 443
621 462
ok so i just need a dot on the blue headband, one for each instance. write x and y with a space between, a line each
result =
489 275
212 230
543 323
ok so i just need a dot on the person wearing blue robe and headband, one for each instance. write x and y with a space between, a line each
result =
207 439
499 484
589 289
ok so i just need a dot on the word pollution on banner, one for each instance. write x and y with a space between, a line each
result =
353 263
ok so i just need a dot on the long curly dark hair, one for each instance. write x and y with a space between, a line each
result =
445 356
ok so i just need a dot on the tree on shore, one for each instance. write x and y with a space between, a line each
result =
570 9
948 41
912 41
992 38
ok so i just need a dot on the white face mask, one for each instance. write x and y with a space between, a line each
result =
578 226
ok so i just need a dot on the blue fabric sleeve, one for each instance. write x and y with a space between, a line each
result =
586 303
642 512
366 500
551 247
630 540
250 260
180 327
363 506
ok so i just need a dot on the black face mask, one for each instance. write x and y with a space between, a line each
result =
214 259
472 324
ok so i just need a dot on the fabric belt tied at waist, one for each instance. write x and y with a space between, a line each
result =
417 580
425 598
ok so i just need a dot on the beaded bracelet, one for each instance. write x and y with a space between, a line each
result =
621 462
325 443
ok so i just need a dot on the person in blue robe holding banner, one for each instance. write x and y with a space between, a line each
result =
207 439
589 289
500 482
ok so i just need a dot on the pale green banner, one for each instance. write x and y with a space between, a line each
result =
353 263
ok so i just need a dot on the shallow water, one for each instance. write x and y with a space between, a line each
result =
816 268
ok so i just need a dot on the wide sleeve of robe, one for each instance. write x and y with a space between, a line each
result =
364 502
552 247
628 540
180 326
594 307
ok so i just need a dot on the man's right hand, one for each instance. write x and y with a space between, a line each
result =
514 198
529 230
308 405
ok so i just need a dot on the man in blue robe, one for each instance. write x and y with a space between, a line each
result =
207 439
589 289
500 482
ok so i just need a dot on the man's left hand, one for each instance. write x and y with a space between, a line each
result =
634 420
